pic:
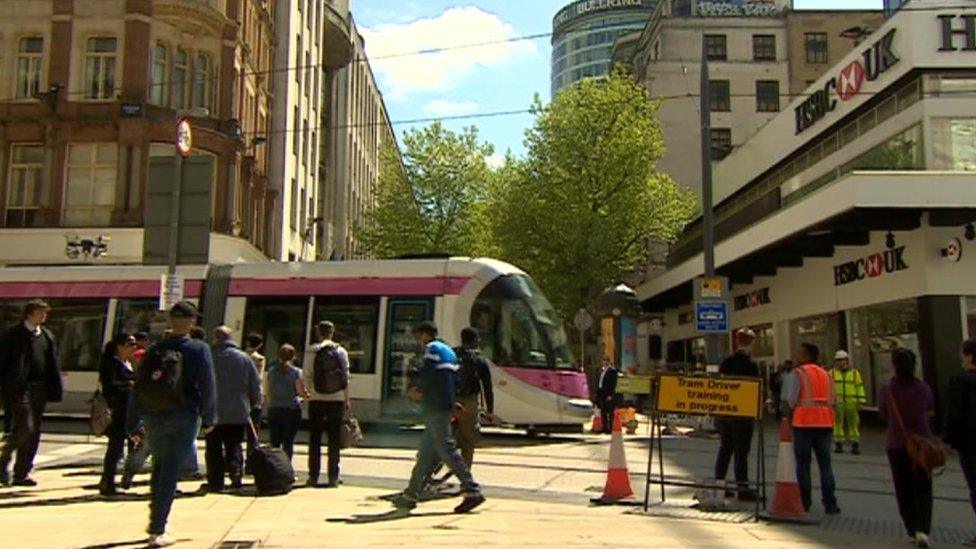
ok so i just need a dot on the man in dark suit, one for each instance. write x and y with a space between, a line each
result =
606 395
29 379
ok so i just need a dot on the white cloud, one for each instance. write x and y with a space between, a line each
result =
443 107
441 70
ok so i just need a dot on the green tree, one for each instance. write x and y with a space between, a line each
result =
430 200
579 210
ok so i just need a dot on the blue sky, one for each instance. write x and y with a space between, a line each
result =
498 77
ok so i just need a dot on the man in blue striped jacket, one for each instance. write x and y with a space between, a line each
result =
438 382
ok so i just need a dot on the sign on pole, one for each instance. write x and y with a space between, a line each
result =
583 320
712 317
634 385
170 291
708 396
184 137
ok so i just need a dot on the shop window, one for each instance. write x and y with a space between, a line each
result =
824 331
954 144
180 80
157 88
901 152
100 59
78 326
356 321
767 96
30 58
26 191
279 320
763 47
720 99
90 186
716 47
875 332
816 47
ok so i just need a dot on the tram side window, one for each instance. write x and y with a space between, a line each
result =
77 325
356 322
141 315
280 320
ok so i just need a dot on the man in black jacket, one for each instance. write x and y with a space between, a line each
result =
606 395
30 379
474 381
961 419
736 433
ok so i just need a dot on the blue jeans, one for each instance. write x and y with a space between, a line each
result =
191 466
805 443
436 446
170 436
967 460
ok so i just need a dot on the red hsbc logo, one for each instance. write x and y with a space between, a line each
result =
850 80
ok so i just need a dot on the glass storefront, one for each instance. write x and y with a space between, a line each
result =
875 332
971 317
824 331
77 325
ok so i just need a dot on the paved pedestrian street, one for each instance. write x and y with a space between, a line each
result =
538 492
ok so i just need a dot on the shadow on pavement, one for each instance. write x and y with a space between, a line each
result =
116 544
88 498
396 514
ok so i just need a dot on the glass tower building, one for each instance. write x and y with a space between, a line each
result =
583 34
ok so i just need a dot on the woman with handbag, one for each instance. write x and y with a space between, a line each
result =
117 377
907 404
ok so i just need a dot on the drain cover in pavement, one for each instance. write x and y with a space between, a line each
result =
686 509
242 544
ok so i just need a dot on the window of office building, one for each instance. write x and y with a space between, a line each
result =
954 144
294 204
26 192
180 79
767 95
90 186
716 47
202 81
721 142
816 47
764 47
157 88
30 57
876 331
901 152
100 58
720 98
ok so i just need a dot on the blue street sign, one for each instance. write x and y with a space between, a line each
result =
712 317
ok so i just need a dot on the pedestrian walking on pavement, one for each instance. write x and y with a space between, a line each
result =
238 389
438 382
606 395
907 404
776 388
253 344
736 433
474 384
849 388
191 468
116 377
961 419
29 379
175 394
809 394
283 400
326 379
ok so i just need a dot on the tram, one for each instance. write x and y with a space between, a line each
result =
374 304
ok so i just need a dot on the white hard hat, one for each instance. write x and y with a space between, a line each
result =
842 355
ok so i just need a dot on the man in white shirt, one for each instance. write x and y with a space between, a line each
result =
326 376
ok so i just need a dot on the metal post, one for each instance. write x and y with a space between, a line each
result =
712 341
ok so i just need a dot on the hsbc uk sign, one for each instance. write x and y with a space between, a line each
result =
875 61
872 266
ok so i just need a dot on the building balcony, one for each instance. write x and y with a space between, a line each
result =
338 36
211 14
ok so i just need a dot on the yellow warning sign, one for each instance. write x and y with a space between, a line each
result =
711 288
634 385
702 396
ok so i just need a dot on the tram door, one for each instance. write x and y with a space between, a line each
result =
403 353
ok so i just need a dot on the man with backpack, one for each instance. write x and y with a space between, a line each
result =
438 384
174 390
326 378
474 382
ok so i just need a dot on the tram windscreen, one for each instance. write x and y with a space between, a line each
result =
519 327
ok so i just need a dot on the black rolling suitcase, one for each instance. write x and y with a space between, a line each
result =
271 468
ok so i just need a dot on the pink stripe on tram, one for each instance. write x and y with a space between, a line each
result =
396 286
90 289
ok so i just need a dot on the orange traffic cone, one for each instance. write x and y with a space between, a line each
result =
617 487
787 504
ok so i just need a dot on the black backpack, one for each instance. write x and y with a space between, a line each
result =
328 376
159 381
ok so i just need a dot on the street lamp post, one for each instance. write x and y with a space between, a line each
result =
712 340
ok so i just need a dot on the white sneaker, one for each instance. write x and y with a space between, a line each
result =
161 540
922 540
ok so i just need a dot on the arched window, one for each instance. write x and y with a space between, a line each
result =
157 88
180 79
202 81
